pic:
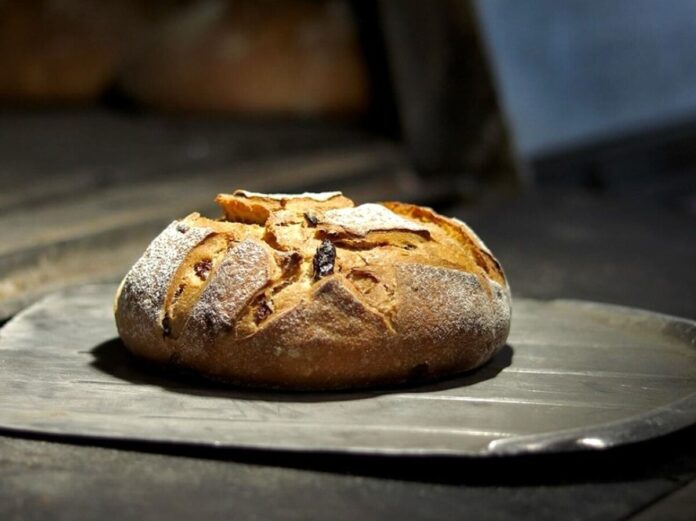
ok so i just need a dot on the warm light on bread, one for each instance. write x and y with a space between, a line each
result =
309 291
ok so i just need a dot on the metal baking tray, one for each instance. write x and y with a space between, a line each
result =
574 375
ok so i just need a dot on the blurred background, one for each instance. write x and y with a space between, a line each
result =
563 132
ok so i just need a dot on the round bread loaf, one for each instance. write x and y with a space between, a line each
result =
309 291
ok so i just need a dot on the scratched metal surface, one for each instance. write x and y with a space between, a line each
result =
574 375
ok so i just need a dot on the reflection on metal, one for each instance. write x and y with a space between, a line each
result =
575 376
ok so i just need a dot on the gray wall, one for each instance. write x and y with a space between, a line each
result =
575 72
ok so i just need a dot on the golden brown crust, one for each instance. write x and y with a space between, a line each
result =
406 294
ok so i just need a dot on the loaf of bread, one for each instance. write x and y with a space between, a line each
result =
309 291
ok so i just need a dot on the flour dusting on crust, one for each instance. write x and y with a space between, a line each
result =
242 273
145 286
446 305
370 217
317 196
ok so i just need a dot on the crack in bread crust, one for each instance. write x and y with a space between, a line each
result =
243 272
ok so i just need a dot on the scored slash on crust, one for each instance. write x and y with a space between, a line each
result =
141 295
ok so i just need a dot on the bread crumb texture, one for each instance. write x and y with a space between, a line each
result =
311 291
